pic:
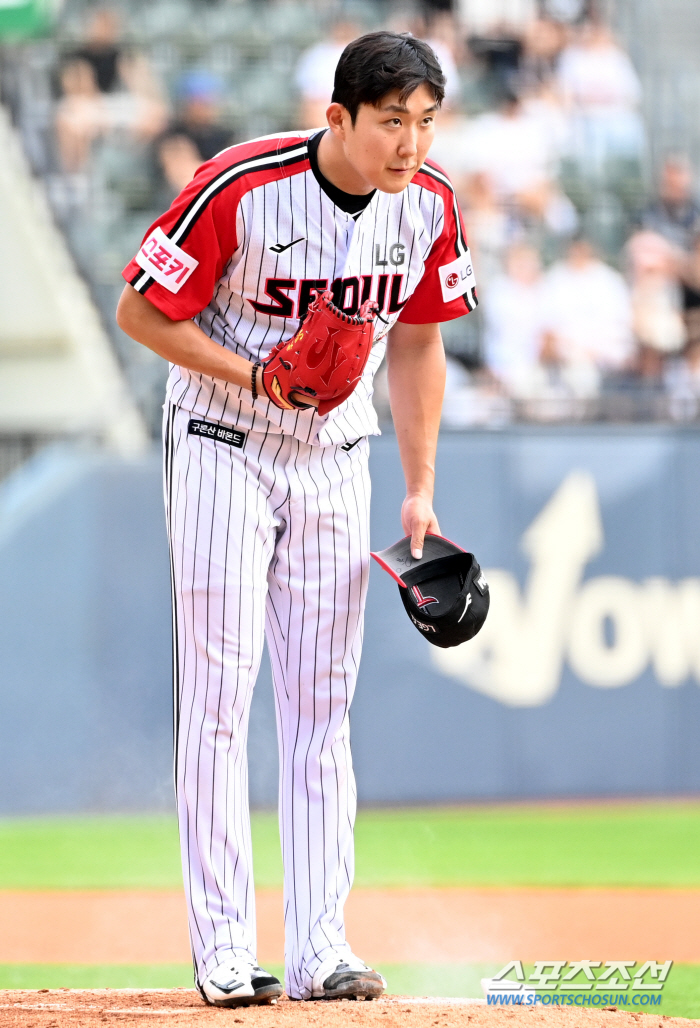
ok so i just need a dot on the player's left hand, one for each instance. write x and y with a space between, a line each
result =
417 518
296 397
323 362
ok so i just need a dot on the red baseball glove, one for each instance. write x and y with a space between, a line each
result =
325 359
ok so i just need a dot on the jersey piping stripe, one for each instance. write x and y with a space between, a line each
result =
181 229
460 242
434 173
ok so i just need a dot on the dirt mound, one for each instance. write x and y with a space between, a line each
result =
72 1008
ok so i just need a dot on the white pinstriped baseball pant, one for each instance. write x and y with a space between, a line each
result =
271 539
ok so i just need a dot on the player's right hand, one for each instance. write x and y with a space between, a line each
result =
417 519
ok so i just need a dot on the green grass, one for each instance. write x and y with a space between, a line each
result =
649 844
95 976
89 853
621 844
680 997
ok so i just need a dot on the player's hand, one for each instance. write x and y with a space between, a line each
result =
303 398
323 361
417 518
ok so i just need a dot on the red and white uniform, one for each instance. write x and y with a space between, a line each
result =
268 517
263 195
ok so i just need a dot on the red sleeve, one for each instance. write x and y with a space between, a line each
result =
447 289
185 251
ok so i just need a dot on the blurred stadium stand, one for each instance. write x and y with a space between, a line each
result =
149 86
662 39
59 378
104 209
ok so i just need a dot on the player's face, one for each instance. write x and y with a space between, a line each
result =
387 144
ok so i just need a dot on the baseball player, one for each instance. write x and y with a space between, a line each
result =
267 497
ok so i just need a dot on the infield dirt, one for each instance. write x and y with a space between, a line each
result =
63 1008
385 925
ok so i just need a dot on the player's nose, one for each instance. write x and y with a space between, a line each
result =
408 146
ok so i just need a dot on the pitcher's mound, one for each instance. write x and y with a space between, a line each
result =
148 1008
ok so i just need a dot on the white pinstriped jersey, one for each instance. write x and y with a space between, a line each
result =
245 244
269 521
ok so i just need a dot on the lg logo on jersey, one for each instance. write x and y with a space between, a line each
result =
288 294
395 254
457 277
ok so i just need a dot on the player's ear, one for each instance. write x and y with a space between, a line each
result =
338 117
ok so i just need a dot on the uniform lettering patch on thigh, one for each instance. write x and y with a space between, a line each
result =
219 433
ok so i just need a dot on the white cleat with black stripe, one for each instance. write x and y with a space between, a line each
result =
347 978
237 983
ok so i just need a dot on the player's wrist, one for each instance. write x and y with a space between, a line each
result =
233 368
254 380
423 494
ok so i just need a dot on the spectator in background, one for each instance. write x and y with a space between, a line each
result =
489 226
682 377
520 156
587 317
514 326
102 49
568 12
177 160
495 31
656 301
544 40
510 149
690 285
439 31
682 383
541 104
81 115
674 214
315 73
199 114
497 17
450 147
430 8
602 91
104 92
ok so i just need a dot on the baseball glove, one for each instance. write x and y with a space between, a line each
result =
325 359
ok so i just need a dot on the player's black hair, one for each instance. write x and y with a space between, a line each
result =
378 63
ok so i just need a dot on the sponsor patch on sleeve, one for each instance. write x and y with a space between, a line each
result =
457 278
165 261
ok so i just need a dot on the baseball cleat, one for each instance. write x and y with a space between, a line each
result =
237 983
346 979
